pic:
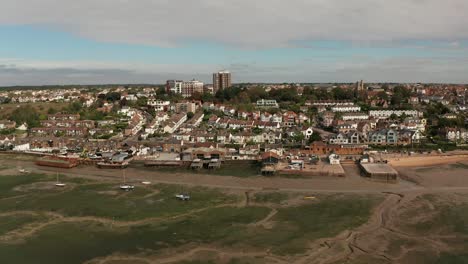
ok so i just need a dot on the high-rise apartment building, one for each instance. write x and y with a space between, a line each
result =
221 80
174 86
186 89
191 87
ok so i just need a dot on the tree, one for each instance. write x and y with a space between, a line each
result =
190 115
113 96
382 95
74 107
298 137
338 115
314 137
142 101
257 130
400 95
51 111
25 114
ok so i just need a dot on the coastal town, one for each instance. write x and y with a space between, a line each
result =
285 129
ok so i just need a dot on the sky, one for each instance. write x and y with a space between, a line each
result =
151 41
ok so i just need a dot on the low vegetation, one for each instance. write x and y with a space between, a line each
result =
149 220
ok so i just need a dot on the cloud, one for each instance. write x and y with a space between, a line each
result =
394 69
32 72
244 23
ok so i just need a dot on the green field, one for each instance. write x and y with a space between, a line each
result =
91 220
40 107
12 222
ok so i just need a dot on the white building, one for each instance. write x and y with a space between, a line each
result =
23 147
159 105
346 108
454 134
355 116
334 159
330 103
174 123
388 113
174 86
267 103
186 89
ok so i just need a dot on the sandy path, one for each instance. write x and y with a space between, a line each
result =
421 161
265 220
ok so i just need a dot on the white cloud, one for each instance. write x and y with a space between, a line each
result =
244 23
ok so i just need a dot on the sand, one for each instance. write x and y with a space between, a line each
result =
428 160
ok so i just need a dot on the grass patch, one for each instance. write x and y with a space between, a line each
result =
452 259
452 218
227 226
271 197
295 226
40 107
459 165
10 223
80 242
424 169
106 200
7 183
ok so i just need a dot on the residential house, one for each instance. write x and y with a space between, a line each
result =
174 123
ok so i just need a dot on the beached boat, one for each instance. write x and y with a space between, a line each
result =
58 183
124 186
58 162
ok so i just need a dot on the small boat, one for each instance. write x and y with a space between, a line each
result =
124 186
23 171
183 197
59 184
